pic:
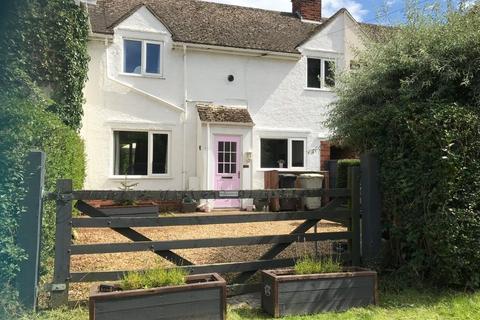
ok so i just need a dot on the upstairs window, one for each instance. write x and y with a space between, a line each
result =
320 73
133 56
142 57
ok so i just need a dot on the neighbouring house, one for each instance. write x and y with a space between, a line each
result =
187 94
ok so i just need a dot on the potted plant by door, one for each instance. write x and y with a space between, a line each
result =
316 285
189 205
130 208
160 294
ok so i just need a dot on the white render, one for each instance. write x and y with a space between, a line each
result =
272 86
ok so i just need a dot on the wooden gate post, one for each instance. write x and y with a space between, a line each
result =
28 235
354 185
371 210
63 239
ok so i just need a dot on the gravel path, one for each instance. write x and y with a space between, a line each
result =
145 260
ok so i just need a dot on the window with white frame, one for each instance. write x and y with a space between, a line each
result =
320 73
142 57
138 153
282 153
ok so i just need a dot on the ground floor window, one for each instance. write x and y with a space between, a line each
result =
138 153
282 153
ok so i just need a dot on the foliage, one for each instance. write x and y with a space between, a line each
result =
125 185
47 54
9 305
415 102
25 126
311 265
154 278
342 171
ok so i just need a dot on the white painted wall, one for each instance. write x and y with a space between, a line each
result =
273 89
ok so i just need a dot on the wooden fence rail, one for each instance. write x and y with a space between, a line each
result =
344 208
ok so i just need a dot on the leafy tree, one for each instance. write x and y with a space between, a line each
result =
415 101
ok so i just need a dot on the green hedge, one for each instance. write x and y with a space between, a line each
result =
342 171
415 103
24 126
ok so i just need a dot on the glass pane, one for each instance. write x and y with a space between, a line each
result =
330 73
227 146
298 153
274 153
220 157
227 168
132 51
233 157
220 168
227 157
131 153
313 73
234 146
220 146
153 58
233 168
160 154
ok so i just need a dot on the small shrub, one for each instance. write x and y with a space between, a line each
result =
311 265
154 278
342 171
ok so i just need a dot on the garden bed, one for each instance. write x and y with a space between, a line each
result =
286 293
202 297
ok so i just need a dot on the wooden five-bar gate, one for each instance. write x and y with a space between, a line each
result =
344 207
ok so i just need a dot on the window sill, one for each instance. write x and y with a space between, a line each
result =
319 89
136 75
151 177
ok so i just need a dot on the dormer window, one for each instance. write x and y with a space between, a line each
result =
142 57
320 73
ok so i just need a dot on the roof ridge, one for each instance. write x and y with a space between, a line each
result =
244 7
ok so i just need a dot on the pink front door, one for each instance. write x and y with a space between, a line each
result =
227 168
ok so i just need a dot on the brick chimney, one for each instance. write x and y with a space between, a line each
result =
308 9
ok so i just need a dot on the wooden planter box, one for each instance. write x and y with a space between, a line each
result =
149 210
284 293
203 297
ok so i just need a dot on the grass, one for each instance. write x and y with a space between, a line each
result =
407 305
310 265
154 278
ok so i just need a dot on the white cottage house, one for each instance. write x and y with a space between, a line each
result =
187 94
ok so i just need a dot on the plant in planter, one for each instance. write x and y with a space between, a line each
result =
189 205
316 285
160 294
281 163
130 208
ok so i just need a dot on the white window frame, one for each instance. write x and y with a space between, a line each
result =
143 66
150 173
289 153
323 87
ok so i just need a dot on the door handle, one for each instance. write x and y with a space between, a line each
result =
238 174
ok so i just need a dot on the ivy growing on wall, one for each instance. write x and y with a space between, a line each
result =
44 54
43 69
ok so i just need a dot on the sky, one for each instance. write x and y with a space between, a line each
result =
372 11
